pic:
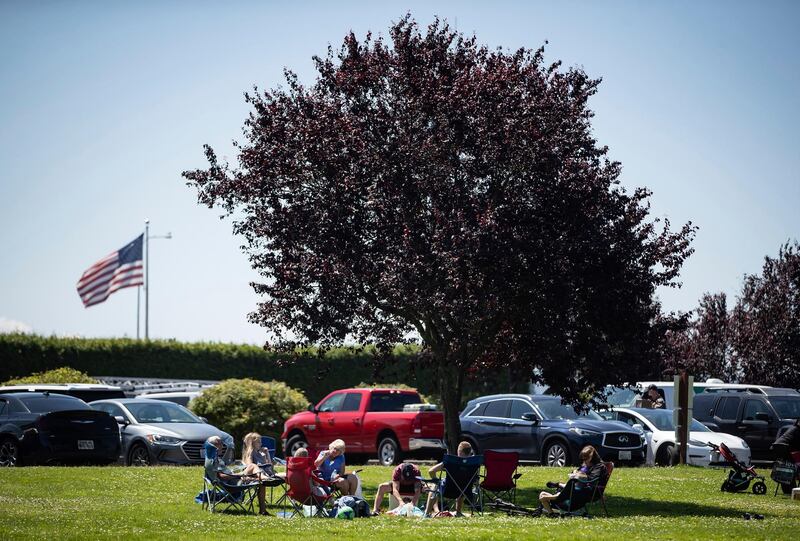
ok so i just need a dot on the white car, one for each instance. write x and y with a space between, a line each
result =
659 430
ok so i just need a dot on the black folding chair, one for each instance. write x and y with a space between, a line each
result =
577 495
225 492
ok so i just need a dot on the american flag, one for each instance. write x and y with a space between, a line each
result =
123 268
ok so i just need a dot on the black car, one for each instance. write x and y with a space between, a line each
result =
757 415
42 428
541 428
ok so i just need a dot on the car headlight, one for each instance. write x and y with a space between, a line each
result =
583 431
163 440
744 445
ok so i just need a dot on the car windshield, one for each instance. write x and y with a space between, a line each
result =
46 404
620 396
788 407
149 412
555 410
662 420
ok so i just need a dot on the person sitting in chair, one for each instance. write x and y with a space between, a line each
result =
331 464
464 450
405 486
591 467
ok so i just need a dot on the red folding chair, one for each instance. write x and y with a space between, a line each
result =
301 492
500 474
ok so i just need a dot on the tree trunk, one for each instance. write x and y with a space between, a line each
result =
451 379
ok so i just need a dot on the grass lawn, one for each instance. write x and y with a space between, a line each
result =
119 502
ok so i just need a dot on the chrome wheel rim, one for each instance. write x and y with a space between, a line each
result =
387 454
8 454
295 446
557 455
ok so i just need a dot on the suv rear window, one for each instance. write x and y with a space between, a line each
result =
729 407
392 401
46 404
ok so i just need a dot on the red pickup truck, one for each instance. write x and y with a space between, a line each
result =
382 422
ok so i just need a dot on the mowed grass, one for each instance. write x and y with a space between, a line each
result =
119 502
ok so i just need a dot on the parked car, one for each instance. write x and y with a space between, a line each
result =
629 397
178 397
85 391
43 428
757 415
659 429
160 432
540 428
384 422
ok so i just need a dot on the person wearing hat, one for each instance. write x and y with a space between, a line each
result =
405 486
656 400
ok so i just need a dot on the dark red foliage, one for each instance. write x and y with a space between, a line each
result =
766 337
432 185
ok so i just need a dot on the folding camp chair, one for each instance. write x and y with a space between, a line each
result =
223 493
500 475
577 495
273 481
461 476
271 445
301 492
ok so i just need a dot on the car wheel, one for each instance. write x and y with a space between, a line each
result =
665 455
557 454
389 452
138 455
9 453
294 443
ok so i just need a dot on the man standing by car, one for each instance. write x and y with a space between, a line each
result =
654 397
788 442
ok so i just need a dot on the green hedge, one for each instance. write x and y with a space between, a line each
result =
23 354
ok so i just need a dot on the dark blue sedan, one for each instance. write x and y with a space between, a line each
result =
542 429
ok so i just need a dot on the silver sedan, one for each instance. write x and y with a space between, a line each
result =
161 432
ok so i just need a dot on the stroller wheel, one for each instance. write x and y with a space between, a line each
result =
726 486
759 487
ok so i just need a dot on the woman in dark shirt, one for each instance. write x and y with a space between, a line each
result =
591 467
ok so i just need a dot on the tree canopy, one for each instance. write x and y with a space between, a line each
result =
427 184
758 339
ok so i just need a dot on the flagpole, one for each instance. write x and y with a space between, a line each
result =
146 280
138 303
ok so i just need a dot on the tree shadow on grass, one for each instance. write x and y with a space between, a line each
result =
619 505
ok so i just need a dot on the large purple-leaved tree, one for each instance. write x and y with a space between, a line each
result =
427 185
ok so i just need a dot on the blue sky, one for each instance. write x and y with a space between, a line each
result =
103 104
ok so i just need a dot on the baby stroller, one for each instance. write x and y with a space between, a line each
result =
740 476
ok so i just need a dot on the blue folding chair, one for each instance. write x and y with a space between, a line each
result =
270 445
461 476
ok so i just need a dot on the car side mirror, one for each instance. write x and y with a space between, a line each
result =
204 420
121 420
530 417
761 416
312 408
638 427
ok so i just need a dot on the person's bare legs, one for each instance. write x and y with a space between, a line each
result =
383 490
545 498
262 500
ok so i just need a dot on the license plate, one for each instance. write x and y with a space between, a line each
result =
624 455
86 445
